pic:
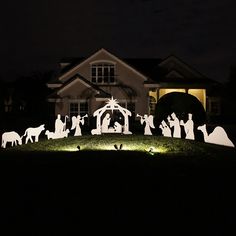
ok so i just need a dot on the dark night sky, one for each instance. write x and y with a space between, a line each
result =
35 35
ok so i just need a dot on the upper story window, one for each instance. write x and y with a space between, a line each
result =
103 73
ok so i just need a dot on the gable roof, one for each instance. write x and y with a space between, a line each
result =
81 79
74 68
177 61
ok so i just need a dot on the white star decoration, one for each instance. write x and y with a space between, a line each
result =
112 102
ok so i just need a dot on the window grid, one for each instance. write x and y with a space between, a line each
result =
78 108
103 73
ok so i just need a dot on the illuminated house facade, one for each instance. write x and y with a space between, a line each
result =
85 85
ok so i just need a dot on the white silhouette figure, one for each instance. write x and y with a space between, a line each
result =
188 127
105 123
76 121
51 135
217 136
12 137
166 131
175 123
117 127
148 123
60 127
33 132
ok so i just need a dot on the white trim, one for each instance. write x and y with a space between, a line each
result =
101 99
55 100
74 100
54 85
152 85
103 61
94 55
72 83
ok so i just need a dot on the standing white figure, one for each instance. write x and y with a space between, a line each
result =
217 136
149 123
60 127
166 131
105 123
76 121
175 123
12 137
188 127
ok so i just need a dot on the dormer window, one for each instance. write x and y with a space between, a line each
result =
103 73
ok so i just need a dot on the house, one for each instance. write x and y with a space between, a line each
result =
85 85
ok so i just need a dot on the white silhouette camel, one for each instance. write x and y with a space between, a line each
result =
217 136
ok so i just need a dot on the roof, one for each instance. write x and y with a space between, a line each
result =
154 69
101 93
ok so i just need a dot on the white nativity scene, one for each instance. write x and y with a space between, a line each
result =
169 128
104 125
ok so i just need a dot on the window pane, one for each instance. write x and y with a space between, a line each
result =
99 71
103 73
74 109
100 79
83 108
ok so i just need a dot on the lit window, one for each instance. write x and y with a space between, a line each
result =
103 73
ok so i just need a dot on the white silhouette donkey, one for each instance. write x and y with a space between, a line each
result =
217 136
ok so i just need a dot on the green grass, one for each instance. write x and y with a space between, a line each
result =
136 143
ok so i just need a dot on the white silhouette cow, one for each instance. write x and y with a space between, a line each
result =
12 137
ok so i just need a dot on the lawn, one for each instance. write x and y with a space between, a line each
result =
155 145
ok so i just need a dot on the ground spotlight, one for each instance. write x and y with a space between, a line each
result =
115 146
78 147
151 151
